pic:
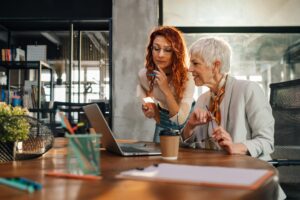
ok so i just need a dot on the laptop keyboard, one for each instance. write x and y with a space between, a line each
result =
131 149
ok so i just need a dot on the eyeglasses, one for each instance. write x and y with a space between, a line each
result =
167 50
207 143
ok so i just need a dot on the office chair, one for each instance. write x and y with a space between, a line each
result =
73 112
285 103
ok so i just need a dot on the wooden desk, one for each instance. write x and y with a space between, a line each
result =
111 188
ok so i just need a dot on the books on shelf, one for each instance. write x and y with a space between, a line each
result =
6 55
12 54
20 55
8 96
15 90
30 94
30 97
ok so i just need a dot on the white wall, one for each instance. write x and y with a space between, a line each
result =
133 20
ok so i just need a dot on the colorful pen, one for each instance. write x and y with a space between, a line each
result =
36 185
17 185
65 123
80 124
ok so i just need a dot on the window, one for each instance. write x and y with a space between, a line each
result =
259 57
264 35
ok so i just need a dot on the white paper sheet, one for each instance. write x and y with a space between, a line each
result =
219 176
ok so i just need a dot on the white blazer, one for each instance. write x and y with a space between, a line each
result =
245 114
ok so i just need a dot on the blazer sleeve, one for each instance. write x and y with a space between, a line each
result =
261 121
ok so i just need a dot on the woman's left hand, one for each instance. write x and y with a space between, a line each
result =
161 80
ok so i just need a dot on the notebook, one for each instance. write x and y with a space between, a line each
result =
109 142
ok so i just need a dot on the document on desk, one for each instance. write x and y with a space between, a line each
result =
201 175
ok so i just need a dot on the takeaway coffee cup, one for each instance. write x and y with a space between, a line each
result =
169 144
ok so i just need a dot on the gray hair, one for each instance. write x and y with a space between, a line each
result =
211 49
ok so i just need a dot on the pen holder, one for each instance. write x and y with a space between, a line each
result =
83 154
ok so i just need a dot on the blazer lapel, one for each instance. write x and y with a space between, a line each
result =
227 99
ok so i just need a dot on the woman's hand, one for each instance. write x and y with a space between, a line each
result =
199 117
225 141
163 84
150 111
223 138
161 80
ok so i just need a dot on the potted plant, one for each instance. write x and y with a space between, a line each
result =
59 68
13 127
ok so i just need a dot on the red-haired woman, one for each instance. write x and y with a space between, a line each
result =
166 80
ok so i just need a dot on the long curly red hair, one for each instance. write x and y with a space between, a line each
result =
178 67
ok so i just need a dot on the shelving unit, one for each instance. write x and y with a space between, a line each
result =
29 65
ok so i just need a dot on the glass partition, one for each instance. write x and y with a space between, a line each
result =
264 35
261 57
90 84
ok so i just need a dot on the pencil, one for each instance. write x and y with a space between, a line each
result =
73 176
212 117
65 122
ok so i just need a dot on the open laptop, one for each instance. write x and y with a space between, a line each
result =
109 142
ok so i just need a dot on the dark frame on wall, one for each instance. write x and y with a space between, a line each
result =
56 9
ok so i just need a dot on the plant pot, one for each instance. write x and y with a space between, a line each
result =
59 81
7 151
38 141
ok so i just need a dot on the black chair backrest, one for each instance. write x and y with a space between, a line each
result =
74 110
285 103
